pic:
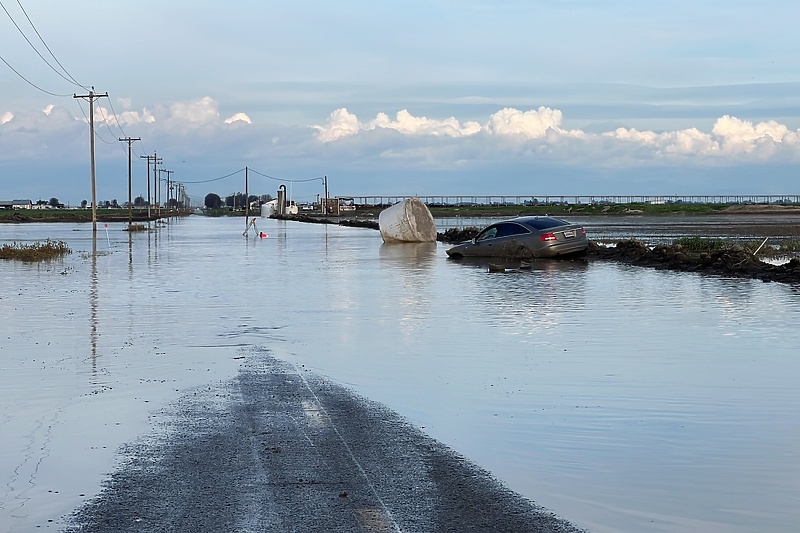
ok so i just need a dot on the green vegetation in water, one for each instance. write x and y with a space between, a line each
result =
37 251
702 244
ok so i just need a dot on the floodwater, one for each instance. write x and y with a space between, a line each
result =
623 399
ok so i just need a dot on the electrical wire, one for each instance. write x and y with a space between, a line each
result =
116 117
96 132
215 179
48 48
29 82
106 121
284 179
46 62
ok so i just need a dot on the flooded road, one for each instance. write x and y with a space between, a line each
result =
623 399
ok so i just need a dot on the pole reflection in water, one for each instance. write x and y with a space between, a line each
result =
93 290
130 255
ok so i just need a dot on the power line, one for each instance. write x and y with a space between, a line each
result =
48 48
215 179
46 62
29 82
116 117
286 180
106 121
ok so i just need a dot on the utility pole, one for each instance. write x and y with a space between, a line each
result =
325 181
168 188
155 160
157 186
246 202
129 140
91 97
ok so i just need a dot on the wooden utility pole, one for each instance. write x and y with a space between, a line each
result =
91 97
129 140
168 189
155 160
157 186
325 181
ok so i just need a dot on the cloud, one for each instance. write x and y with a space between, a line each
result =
506 144
743 136
183 115
539 133
408 124
341 123
238 117
203 110
531 124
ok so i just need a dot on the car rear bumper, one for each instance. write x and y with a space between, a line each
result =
566 248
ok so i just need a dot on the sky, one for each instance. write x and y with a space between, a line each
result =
382 97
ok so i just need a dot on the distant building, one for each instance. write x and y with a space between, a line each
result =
15 204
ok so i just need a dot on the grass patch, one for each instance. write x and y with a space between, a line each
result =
136 227
701 244
37 251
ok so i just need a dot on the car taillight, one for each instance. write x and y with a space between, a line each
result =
548 237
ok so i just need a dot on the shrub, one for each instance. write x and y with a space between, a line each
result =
37 251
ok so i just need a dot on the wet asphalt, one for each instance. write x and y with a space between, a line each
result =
281 449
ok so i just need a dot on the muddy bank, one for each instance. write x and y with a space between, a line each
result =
727 262
355 223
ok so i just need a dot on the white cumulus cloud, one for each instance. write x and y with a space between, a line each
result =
740 136
541 131
341 123
532 124
408 124
238 117
201 110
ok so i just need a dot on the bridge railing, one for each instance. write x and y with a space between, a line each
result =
499 200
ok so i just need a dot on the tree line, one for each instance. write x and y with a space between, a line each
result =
234 201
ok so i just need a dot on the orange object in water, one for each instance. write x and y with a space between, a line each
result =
264 235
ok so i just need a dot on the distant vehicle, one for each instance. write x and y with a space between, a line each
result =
525 238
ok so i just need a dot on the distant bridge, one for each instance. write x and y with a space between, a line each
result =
466 200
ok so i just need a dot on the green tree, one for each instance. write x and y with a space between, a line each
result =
84 203
54 202
213 201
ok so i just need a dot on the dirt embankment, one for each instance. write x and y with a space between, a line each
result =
765 209
728 262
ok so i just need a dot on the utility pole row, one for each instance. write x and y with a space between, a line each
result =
129 140
155 160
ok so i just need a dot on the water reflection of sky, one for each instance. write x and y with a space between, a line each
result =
625 399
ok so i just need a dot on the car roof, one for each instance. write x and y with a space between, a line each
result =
539 223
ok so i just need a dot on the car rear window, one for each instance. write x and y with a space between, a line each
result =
509 228
541 223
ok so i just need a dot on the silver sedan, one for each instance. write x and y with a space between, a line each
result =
525 238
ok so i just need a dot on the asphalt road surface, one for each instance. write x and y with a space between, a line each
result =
281 449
